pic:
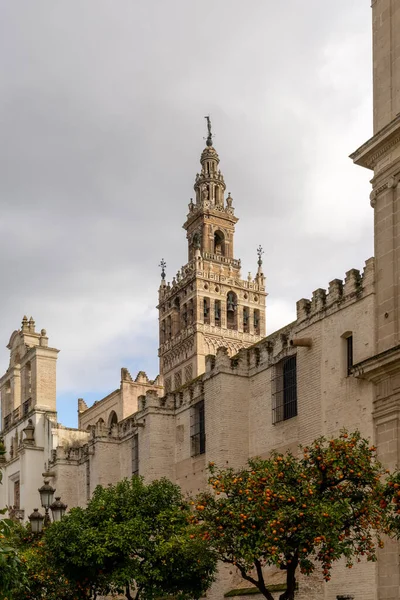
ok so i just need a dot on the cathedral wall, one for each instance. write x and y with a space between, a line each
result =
104 462
157 444
125 458
69 481
226 417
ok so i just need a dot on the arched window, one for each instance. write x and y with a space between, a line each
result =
231 310
185 315
219 243
191 312
28 380
196 241
206 310
176 318
169 328
112 419
246 320
217 313
256 321
347 351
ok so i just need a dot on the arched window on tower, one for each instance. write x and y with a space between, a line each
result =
256 321
217 313
196 244
219 243
246 320
185 315
169 327
176 324
162 332
206 310
231 310
191 312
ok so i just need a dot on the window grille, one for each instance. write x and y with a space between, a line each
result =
198 429
285 390
7 421
256 320
26 407
135 454
349 343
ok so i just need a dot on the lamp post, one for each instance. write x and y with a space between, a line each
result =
36 520
46 498
58 508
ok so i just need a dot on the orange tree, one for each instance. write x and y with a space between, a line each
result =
45 581
299 512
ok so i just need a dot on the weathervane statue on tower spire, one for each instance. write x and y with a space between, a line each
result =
260 252
209 137
163 265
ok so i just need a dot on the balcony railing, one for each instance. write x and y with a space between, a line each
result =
222 259
26 407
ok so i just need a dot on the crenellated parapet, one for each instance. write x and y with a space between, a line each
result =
340 293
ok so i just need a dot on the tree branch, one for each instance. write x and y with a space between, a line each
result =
259 584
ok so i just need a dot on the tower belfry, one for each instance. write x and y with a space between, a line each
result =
207 305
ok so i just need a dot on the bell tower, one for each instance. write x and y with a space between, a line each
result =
207 304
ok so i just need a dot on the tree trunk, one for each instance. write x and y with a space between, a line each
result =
290 580
259 582
128 592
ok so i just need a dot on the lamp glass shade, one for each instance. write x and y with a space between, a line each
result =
36 521
58 509
46 494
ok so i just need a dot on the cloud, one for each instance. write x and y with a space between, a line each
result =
101 112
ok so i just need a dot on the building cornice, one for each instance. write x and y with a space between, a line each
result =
369 153
380 366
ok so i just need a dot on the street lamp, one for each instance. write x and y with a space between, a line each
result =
36 520
58 509
46 498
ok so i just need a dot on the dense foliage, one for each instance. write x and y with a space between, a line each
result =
12 571
135 539
43 579
329 503
13 576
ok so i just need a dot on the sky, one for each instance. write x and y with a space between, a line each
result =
102 107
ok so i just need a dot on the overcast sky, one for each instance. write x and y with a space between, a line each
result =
102 108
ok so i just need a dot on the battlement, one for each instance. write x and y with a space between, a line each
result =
340 293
